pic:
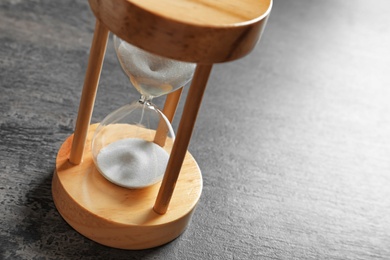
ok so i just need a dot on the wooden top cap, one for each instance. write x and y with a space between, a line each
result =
201 31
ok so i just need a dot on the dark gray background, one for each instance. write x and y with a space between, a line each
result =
293 140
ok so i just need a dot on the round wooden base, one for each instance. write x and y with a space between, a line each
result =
119 217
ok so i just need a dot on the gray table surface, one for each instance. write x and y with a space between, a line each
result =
293 140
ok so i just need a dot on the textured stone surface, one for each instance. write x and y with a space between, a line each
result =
293 140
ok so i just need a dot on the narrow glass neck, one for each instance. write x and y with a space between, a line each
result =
145 99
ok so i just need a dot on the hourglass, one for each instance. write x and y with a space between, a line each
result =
129 182
129 146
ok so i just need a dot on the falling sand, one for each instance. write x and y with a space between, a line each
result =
132 162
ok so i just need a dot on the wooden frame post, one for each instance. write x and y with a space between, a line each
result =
183 137
169 111
91 82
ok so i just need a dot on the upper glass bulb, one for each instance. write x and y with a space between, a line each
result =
152 75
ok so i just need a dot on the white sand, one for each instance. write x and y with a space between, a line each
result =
132 162
153 75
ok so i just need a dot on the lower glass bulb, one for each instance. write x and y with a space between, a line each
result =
132 145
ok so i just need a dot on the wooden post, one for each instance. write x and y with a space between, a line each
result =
91 81
169 111
183 137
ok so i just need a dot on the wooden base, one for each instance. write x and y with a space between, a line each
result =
119 217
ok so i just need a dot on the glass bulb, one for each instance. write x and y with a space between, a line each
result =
125 147
152 75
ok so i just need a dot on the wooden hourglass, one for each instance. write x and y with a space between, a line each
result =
201 32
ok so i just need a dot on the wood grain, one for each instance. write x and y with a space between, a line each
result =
116 216
196 31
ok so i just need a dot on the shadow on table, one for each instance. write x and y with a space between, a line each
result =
43 233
